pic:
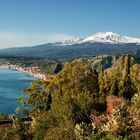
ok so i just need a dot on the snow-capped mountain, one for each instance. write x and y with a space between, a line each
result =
99 44
103 37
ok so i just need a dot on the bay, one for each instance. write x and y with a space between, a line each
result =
11 85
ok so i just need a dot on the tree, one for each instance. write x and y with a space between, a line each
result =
127 90
39 97
76 77
114 89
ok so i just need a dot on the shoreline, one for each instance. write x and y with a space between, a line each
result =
32 71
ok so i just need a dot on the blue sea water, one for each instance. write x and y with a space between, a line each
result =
11 85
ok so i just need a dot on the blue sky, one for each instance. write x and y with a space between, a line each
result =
30 22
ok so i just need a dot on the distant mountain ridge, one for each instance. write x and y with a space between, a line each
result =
104 37
98 44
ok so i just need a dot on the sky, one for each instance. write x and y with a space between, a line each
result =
33 22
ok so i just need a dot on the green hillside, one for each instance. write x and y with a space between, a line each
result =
89 99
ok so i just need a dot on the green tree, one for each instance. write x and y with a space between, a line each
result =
78 76
127 91
114 88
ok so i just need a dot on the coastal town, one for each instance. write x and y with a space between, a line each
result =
32 71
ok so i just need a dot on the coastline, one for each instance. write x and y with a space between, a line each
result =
32 71
12 84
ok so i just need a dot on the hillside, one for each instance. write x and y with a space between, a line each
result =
99 44
79 103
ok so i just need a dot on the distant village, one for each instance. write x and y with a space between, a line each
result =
32 71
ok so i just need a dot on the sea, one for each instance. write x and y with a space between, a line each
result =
12 84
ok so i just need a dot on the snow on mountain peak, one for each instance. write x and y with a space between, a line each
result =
103 37
110 37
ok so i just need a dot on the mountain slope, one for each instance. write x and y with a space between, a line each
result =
105 43
105 37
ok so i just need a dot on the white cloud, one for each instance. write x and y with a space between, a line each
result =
9 39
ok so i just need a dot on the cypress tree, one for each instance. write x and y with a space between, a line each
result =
114 88
127 90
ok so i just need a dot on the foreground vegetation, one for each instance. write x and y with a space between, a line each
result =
81 103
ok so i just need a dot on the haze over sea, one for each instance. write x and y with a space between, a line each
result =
11 85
